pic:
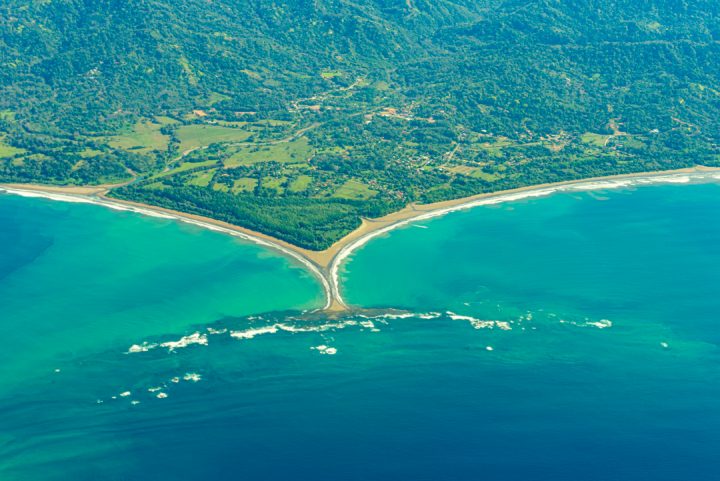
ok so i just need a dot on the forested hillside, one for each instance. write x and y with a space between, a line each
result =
296 118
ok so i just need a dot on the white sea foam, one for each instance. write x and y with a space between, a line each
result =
291 328
458 317
393 315
192 376
369 325
323 349
673 179
480 323
194 338
48 195
250 333
601 324
212 331
137 210
144 347
602 185
317 328
125 394
404 315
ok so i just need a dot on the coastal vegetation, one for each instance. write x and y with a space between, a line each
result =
297 118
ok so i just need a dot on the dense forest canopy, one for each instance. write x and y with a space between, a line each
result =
297 118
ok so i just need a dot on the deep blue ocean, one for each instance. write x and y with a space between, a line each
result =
570 337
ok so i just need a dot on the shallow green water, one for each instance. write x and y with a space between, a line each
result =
571 337
75 278
638 257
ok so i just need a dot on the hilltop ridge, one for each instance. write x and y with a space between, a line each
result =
300 118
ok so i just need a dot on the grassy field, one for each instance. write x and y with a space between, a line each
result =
88 153
201 135
8 150
494 147
202 179
598 140
479 174
472 171
300 184
185 166
273 123
7 115
353 189
632 142
144 137
275 183
297 151
244 184
462 169
166 120
327 75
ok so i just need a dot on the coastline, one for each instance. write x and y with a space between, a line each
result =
96 196
325 265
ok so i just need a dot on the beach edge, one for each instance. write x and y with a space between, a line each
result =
325 265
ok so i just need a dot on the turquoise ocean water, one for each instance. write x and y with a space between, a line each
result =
569 337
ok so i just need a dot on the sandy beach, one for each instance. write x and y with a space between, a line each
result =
325 265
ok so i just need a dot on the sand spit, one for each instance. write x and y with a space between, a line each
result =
325 265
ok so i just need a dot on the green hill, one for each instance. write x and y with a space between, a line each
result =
296 118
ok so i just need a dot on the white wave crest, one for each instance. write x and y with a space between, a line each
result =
323 349
602 185
250 333
601 324
194 338
48 195
192 376
144 347
480 323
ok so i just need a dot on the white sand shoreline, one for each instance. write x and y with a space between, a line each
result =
578 186
326 265
151 212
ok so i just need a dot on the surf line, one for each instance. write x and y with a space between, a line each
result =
325 265
153 212
583 185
